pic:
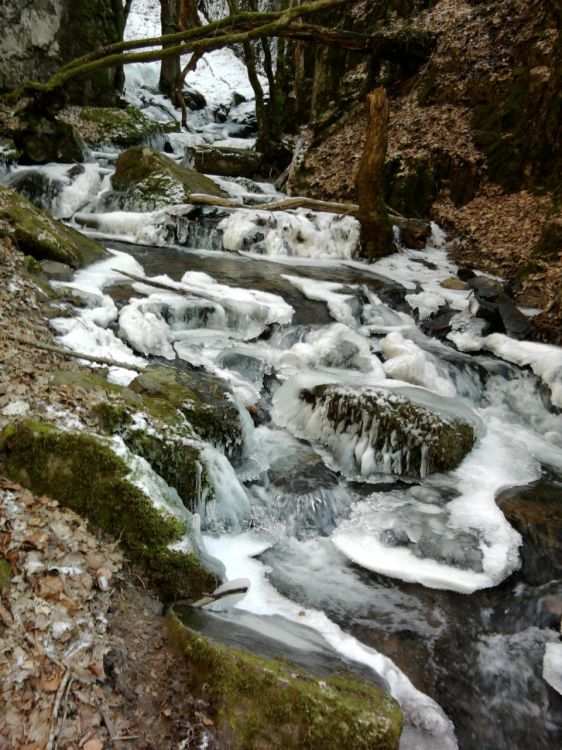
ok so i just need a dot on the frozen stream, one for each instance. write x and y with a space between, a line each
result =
417 577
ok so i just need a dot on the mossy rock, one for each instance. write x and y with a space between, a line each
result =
228 162
151 180
119 127
202 400
404 437
48 139
37 234
6 574
100 482
266 704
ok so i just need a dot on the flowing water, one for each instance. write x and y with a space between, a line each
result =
350 554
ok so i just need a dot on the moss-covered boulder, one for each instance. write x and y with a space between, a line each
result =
37 234
371 431
117 492
149 180
111 126
266 704
201 399
41 140
228 162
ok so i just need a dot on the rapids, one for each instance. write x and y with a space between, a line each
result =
418 579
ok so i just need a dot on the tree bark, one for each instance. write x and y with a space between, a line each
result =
376 239
170 66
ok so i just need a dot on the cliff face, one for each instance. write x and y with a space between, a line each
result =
475 139
41 35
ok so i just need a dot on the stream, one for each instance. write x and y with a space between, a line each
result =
419 579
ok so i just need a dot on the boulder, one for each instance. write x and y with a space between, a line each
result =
41 140
118 493
404 431
112 126
414 233
227 162
44 238
535 510
194 100
149 180
264 703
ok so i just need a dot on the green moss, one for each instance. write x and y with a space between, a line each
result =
44 238
121 127
83 473
261 703
152 179
6 574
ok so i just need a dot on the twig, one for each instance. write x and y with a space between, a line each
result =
58 698
69 685
71 354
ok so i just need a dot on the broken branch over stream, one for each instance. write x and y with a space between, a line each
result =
242 27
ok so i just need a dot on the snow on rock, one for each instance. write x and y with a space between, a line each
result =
404 360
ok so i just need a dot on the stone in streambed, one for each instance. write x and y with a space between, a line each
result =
148 180
226 162
42 140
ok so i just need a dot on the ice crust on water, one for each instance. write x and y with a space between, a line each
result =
299 234
543 359
426 721
404 360
340 303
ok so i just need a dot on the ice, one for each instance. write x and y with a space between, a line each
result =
298 234
340 303
142 324
229 509
404 360
423 716
544 360
552 665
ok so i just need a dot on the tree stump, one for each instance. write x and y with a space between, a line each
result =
376 238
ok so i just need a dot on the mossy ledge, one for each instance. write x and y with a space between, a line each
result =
44 238
261 703
84 473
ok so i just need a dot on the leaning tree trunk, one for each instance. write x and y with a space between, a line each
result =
376 230
170 66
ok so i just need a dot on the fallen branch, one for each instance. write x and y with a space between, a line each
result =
58 698
70 354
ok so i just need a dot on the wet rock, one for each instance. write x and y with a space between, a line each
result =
535 510
227 162
57 271
453 283
117 493
414 233
150 180
44 238
194 100
439 323
280 705
43 139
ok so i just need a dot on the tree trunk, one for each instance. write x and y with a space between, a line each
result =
376 230
170 66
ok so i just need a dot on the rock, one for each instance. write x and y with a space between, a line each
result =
404 431
44 238
110 126
151 180
454 283
414 233
194 100
16 409
118 493
57 271
227 162
44 139
278 705
535 510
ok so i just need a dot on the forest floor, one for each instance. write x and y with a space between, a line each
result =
85 658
